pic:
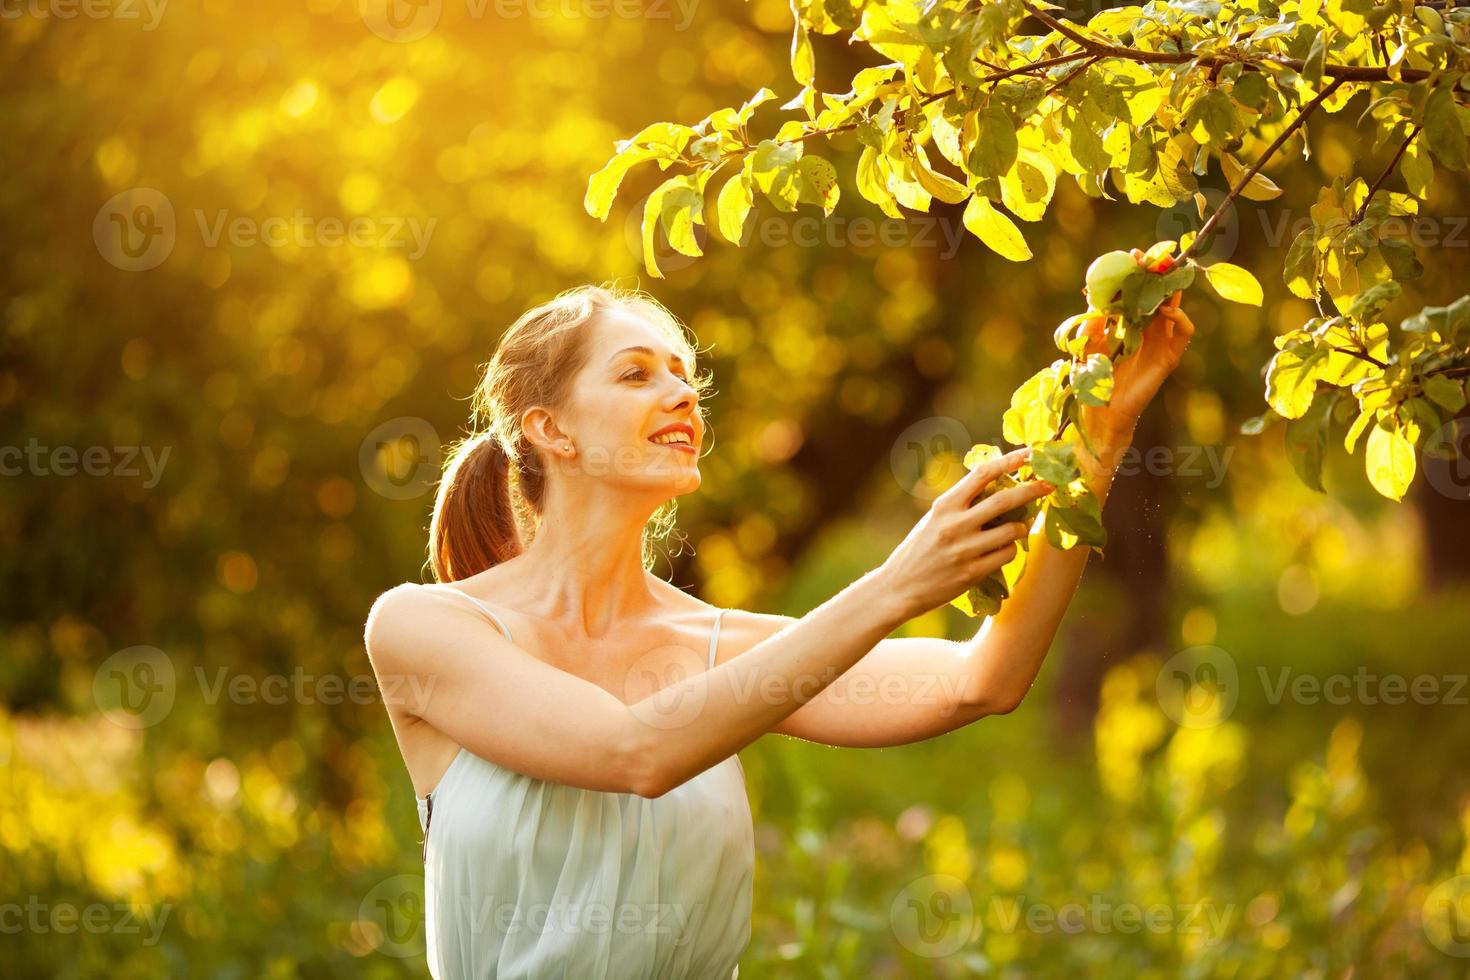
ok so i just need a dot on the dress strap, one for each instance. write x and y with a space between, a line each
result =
480 605
714 638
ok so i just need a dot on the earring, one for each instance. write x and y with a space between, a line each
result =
566 448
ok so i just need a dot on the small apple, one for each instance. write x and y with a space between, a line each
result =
1105 278
1163 265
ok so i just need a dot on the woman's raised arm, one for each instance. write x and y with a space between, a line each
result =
500 702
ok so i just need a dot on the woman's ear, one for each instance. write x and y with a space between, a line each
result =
542 431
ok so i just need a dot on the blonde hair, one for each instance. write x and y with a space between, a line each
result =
493 486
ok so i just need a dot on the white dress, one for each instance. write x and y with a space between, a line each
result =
525 878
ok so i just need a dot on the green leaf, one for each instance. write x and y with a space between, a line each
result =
996 145
603 186
946 189
816 181
1055 462
1256 424
803 62
1028 186
1033 414
733 205
1211 118
1144 292
1300 271
1418 170
1234 283
1291 379
984 598
872 181
1093 380
1258 188
1451 323
1400 258
1306 440
1371 301
1081 523
996 230
773 167
1445 392
764 95
1390 461
1443 130
681 210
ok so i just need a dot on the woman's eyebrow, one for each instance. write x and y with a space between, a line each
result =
650 352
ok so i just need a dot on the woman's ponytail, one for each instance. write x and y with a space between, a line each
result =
474 524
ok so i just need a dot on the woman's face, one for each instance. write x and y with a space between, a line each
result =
633 384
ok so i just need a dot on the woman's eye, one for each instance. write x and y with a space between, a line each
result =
635 374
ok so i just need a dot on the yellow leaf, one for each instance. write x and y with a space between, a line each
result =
937 184
996 230
1260 187
1390 462
1234 283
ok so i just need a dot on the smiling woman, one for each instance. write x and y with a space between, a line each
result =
494 489
571 742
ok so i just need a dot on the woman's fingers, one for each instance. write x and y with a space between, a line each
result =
1177 318
1001 501
1095 330
975 480
998 538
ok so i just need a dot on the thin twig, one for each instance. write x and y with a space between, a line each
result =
1301 117
1357 217
1362 356
1073 74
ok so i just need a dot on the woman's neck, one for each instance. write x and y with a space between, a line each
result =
584 568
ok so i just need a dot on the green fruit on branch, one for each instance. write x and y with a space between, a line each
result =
1105 279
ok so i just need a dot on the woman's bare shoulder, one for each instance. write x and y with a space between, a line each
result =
399 616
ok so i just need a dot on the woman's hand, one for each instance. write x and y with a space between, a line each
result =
1137 377
950 549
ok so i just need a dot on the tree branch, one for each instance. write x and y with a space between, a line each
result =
1358 216
1362 356
932 97
1073 74
1347 73
1301 117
